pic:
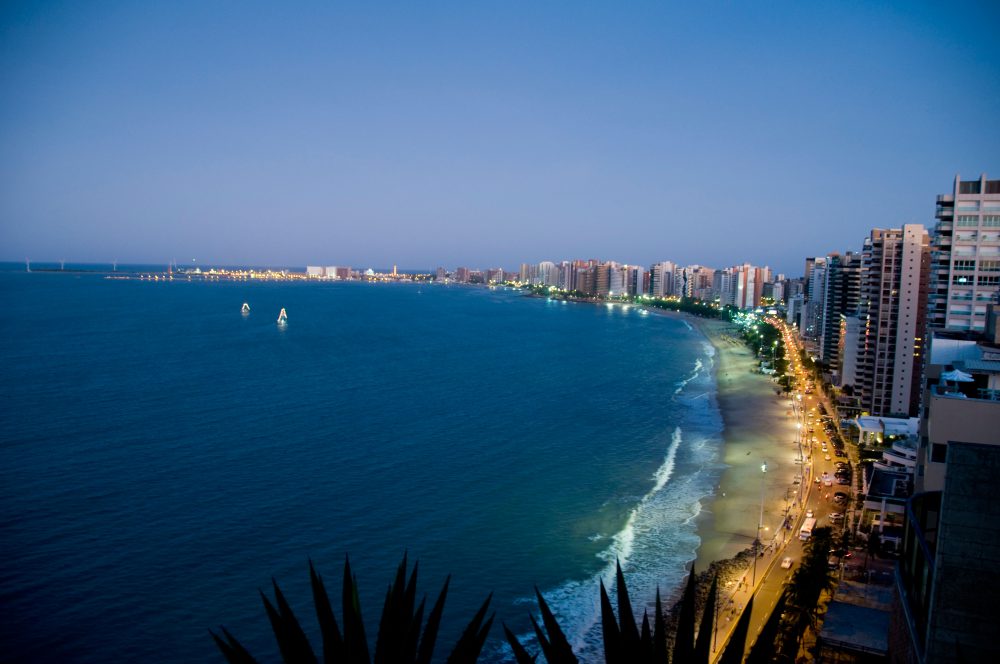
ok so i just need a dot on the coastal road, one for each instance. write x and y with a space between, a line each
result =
769 575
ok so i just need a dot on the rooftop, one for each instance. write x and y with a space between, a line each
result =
856 628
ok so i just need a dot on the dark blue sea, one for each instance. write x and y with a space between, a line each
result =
162 456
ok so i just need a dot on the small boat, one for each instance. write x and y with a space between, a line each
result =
282 317
246 309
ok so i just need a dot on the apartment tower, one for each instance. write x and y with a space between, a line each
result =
965 255
895 266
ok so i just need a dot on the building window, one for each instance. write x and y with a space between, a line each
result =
938 452
966 265
989 265
968 187
991 220
968 220
984 280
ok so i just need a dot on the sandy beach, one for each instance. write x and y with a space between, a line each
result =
759 428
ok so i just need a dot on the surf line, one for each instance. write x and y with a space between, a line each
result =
577 600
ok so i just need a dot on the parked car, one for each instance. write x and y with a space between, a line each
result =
786 563
840 497
836 516
839 453
844 481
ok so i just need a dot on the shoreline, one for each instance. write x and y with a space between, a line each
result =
757 428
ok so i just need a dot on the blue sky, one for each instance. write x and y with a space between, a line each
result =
480 134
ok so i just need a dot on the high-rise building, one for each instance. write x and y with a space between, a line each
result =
462 275
749 285
565 279
812 306
947 572
602 279
636 278
586 280
841 296
616 280
895 268
547 273
965 252
722 287
661 279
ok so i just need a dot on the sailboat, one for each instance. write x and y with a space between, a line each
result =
246 309
282 318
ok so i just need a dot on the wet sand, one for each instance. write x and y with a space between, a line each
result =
759 427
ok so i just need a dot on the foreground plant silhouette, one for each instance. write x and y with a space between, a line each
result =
624 641
399 633
400 640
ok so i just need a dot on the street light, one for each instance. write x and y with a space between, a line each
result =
760 524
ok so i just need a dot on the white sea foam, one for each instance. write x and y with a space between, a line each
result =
659 535
698 366
577 602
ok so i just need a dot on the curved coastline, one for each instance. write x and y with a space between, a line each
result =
757 428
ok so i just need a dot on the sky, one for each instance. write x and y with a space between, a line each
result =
486 133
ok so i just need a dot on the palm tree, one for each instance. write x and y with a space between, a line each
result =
808 583
399 635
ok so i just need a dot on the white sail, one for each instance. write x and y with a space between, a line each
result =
246 308
282 317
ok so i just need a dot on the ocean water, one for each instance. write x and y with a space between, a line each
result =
162 457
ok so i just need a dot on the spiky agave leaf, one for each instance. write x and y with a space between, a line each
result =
412 638
614 649
521 655
431 628
659 632
733 654
413 634
292 641
396 620
626 619
355 641
684 639
232 650
553 642
703 646
333 642
470 644
646 636
763 647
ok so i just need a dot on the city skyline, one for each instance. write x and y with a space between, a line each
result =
459 135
